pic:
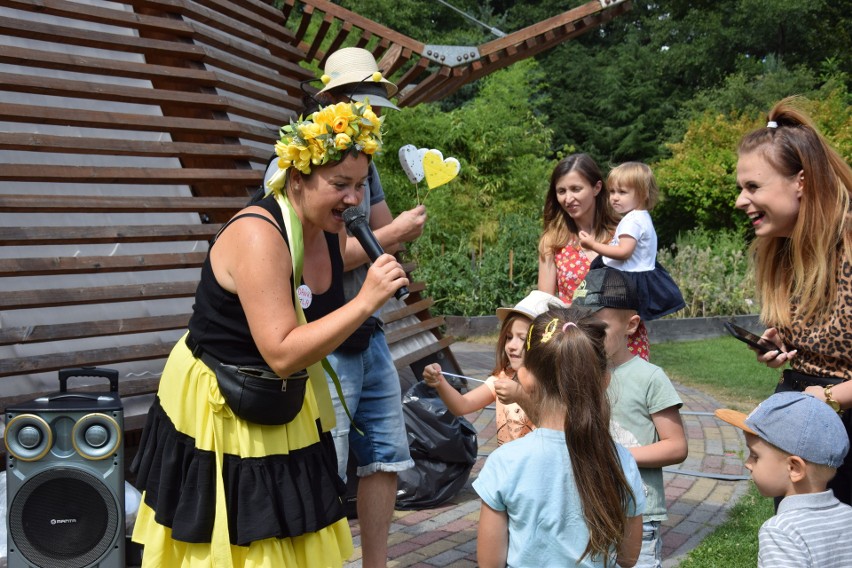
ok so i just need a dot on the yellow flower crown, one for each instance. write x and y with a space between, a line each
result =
325 136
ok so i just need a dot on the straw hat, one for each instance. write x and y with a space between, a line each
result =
356 67
535 304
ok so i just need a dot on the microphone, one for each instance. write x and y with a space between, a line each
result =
356 223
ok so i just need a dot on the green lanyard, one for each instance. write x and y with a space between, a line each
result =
293 227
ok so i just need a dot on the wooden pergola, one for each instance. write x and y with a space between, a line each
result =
428 73
130 130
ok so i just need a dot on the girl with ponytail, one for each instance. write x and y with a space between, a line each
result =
565 494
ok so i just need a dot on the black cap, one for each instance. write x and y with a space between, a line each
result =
606 288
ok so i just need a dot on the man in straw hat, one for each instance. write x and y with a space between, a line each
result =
364 365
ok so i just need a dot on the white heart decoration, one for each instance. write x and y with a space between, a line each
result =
411 159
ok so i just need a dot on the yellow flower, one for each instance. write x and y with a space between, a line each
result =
370 116
342 141
370 146
326 134
311 130
340 124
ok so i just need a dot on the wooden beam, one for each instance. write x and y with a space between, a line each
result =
145 176
57 265
139 95
72 296
521 35
366 24
141 122
88 358
116 204
29 142
423 352
320 36
53 235
338 40
78 330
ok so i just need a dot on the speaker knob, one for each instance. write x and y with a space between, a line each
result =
96 436
29 437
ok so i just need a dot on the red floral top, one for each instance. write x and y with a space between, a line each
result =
572 265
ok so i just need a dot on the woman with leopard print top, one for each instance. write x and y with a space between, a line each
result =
796 189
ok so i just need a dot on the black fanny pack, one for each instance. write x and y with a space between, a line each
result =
795 381
256 394
360 339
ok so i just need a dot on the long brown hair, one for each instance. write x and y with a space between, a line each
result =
501 363
565 354
559 227
803 266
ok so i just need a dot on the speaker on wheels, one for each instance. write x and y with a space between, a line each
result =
65 478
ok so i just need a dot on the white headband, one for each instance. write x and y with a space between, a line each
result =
771 124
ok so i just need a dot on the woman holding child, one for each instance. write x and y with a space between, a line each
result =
796 190
576 201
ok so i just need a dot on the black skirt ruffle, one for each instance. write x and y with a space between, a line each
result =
275 496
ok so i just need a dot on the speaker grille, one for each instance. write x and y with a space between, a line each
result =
64 518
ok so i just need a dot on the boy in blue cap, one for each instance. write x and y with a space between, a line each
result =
796 443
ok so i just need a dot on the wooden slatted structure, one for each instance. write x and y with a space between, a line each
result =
129 131
427 73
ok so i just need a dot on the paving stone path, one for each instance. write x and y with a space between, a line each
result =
699 492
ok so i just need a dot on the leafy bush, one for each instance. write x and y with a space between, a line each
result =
711 269
699 180
502 147
470 282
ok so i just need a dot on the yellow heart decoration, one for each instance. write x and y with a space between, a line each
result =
439 171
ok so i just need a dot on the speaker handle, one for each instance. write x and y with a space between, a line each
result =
110 374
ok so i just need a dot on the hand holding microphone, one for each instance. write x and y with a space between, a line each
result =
357 224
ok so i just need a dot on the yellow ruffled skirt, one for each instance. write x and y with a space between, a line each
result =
220 491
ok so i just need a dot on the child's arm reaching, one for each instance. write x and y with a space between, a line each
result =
457 403
622 251
671 448
492 539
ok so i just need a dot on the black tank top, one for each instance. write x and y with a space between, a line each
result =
218 323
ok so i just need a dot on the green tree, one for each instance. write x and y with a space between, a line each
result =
501 144
699 179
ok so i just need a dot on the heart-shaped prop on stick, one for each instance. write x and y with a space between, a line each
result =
438 170
411 159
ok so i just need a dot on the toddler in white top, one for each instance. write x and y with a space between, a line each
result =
633 193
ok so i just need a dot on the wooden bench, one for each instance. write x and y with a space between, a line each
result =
131 130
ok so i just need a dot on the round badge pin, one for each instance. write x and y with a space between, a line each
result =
305 296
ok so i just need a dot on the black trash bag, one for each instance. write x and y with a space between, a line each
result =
443 447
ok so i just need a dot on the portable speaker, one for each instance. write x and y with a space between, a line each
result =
65 478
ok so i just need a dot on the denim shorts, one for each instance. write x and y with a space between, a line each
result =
371 389
651 555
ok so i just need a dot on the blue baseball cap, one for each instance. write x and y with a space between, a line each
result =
797 423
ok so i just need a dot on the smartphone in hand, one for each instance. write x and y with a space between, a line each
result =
748 337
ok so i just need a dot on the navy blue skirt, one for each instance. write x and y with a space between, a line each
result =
658 293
